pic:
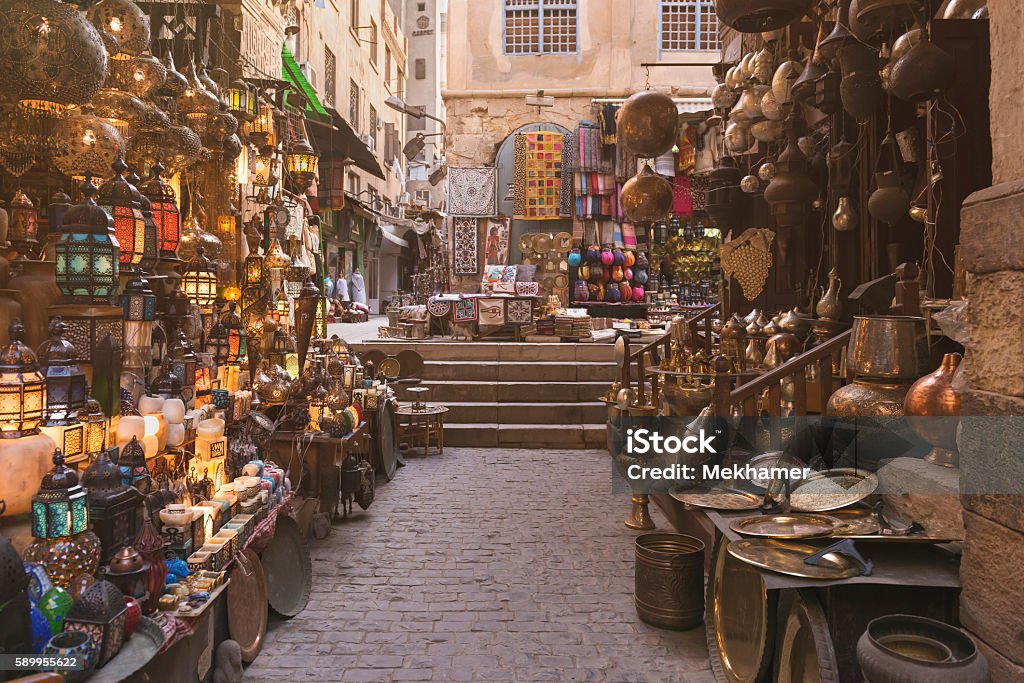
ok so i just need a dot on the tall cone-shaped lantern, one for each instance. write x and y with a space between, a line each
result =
305 318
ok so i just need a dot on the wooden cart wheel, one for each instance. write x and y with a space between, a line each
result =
247 604
740 624
806 652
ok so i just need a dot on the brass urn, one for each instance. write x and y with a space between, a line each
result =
934 396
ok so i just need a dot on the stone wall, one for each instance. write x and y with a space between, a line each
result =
992 235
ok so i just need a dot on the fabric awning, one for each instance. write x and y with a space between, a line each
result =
391 242
291 72
338 138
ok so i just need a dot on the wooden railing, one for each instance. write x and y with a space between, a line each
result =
747 395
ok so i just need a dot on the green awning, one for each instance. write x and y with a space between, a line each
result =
293 74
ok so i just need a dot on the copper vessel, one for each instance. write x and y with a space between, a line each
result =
934 396
868 398
646 196
648 123
670 580
900 648
830 306
923 73
757 16
888 347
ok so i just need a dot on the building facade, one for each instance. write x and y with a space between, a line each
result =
426 21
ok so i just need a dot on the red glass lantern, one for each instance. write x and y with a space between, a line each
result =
165 212
123 202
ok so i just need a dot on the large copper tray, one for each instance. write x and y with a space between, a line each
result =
288 568
806 652
247 604
719 499
786 557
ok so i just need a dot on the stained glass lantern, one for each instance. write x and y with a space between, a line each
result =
59 507
22 223
150 244
261 128
166 384
138 304
232 322
115 510
276 258
51 56
253 270
320 326
125 22
282 306
66 385
217 343
302 163
226 224
91 145
183 359
122 201
56 209
204 378
200 280
263 167
318 409
100 613
95 423
240 100
22 387
87 253
132 466
232 293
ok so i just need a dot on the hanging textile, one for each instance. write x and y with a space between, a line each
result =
496 246
538 176
465 247
565 209
682 198
687 144
629 236
608 131
471 191
465 310
332 184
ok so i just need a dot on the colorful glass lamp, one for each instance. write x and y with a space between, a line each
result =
87 253
22 387
122 201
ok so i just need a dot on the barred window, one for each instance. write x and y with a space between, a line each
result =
689 25
330 76
534 27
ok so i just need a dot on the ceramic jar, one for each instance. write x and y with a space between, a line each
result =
150 404
176 515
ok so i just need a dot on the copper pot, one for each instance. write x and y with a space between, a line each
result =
900 648
756 16
888 347
867 398
934 396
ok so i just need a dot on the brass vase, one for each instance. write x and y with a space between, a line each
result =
868 398
934 396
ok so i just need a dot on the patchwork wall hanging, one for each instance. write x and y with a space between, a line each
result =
472 192
465 247
538 176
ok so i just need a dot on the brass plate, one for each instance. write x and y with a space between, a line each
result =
786 557
718 499
563 241
288 569
741 620
786 526
855 522
561 281
806 653
526 242
542 243
247 604
832 489
390 368
410 362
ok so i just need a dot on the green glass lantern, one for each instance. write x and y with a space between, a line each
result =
87 253
22 387
123 202
59 508
253 270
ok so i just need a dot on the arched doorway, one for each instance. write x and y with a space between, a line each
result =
504 162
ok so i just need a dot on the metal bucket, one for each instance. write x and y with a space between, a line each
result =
670 580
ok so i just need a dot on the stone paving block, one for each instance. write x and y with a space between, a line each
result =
481 565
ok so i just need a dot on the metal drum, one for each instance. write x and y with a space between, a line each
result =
741 627
669 580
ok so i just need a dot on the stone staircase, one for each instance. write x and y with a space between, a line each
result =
506 395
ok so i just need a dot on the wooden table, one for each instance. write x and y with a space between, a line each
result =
426 423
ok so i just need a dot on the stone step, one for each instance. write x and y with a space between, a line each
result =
494 351
525 413
443 391
494 435
538 371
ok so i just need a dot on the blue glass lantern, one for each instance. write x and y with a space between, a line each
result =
87 253
133 468
59 508
138 301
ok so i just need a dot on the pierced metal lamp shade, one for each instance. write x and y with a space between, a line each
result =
165 212
50 55
125 22
120 109
200 280
141 76
121 200
648 123
22 387
87 253
92 145
66 385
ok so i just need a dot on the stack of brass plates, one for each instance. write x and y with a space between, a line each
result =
797 525
788 558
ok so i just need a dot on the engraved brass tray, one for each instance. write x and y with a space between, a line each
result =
800 525
832 489
856 523
786 557
719 499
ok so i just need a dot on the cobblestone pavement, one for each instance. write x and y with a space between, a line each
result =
480 565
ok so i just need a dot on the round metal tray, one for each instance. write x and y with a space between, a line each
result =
247 604
718 499
806 652
136 652
798 525
288 569
786 557
832 489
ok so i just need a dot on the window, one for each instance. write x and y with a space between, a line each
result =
387 67
689 25
353 104
353 13
373 42
535 27
421 7
421 69
330 76
423 197
372 126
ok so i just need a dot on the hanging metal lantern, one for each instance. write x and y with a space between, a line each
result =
115 510
217 343
237 337
840 36
757 16
120 109
263 167
121 200
95 422
261 128
723 97
253 270
923 73
175 82
738 138
240 100
884 17
302 164
66 385
648 123
138 304
183 361
23 224
141 76
200 280
87 253
22 387
151 243
785 76
165 212
51 57
197 103
647 196
276 258
791 190
125 22
93 144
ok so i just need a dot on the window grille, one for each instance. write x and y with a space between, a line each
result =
535 27
353 104
330 76
689 25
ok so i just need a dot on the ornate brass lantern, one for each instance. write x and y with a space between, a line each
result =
121 200
23 224
302 164
200 280
88 255
647 196
22 387
115 510
100 613
95 427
